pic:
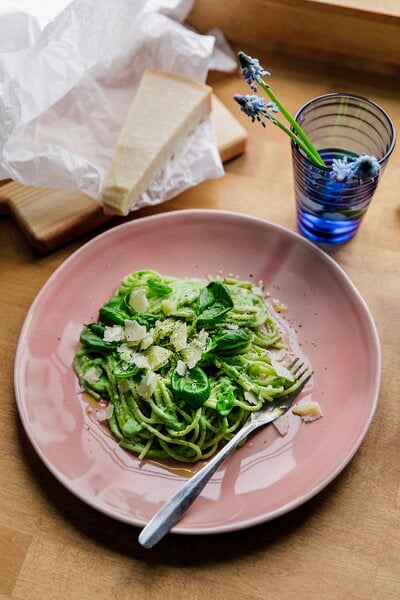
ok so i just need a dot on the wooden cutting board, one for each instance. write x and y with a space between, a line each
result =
50 218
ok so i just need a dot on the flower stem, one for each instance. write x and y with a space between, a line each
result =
306 145
296 140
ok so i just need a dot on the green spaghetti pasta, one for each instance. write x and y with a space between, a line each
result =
182 362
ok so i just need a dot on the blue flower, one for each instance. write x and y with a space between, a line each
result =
340 169
363 168
256 107
251 70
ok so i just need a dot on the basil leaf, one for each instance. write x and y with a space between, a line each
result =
123 370
232 341
92 336
157 288
193 387
225 396
114 312
144 319
213 302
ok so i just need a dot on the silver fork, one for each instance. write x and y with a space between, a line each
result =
177 505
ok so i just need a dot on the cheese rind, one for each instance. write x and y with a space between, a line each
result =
166 109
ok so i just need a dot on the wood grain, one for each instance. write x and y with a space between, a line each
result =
337 33
344 544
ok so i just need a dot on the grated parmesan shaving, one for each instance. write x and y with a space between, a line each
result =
181 368
278 306
194 351
157 356
93 374
169 307
282 424
179 336
106 413
308 411
281 371
250 397
134 332
140 361
146 342
138 300
147 385
257 291
114 333
126 352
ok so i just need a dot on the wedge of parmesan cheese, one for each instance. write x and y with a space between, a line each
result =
308 411
165 110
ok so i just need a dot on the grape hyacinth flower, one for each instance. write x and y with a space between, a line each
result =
251 70
340 169
256 108
253 73
363 168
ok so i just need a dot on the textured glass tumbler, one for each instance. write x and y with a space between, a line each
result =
338 125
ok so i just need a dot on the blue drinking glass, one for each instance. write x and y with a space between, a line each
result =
338 125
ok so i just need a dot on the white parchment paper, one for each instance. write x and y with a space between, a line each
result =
68 73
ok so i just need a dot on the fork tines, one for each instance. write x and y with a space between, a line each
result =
294 367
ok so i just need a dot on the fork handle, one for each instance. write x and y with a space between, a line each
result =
177 505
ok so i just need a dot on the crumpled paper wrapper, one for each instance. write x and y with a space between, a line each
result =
68 74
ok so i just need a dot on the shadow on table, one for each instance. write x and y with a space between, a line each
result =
174 549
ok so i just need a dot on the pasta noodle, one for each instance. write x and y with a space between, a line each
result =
182 362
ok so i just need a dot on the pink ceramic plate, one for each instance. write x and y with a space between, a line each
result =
268 476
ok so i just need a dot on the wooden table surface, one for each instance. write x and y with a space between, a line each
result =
342 544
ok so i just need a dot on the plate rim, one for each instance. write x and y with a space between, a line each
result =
223 528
